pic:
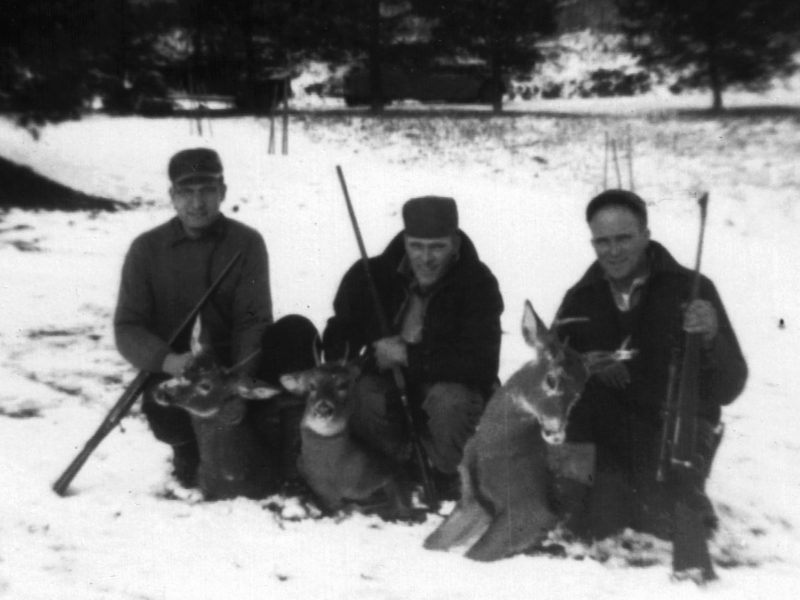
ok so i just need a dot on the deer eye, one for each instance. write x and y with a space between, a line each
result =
551 381
204 387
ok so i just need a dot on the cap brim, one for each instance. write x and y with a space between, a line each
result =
197 178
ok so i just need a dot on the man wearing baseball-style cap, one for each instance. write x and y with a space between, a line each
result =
443 305
167 270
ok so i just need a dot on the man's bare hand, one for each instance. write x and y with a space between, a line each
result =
701 317
175 364
390 352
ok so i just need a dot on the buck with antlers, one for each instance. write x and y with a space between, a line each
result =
337 467
235 461
505 507
236 457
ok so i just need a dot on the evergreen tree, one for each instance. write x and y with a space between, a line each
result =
502 32
714 43
46 46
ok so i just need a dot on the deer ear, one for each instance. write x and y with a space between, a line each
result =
256 390
534 330
294 383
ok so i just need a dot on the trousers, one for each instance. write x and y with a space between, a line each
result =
445 414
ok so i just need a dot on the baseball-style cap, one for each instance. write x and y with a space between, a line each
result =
622 198
430 217
195 165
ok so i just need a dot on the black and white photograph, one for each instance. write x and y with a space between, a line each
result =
399 299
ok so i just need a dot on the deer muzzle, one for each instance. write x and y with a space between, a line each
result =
553 431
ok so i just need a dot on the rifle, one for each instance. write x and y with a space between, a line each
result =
132 392
420 456
679 431
678 454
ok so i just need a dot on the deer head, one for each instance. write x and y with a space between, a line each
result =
550 385
205 387
326 390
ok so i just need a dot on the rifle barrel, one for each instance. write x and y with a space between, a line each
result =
420 456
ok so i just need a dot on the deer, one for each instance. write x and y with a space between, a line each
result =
505 473
234 460
336 467
340 470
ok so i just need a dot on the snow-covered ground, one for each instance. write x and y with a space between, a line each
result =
522 183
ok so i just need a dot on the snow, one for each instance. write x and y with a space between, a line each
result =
521 181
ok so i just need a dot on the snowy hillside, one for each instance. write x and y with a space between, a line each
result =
522 183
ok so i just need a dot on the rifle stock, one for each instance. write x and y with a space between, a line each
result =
420 456
132 392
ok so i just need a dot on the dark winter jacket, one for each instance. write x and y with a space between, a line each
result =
626 423
461 330
164 275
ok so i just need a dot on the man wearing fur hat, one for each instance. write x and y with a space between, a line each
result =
443 306
168 269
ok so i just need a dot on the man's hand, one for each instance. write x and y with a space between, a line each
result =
701 317
390 352
175 364
615 376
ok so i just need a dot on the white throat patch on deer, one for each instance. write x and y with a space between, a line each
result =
505 497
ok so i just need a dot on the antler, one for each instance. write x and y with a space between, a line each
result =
559 322
319 352
241 363
598 360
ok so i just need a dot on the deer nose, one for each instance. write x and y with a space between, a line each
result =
324 408
553 431
553 438
161 396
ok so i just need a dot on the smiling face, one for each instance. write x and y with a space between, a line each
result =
197 204
430 257
620 240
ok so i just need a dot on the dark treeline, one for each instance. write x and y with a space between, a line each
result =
57 54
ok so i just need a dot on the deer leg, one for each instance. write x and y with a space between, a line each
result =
512 533
468 521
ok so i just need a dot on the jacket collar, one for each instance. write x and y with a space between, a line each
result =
659 260
215 231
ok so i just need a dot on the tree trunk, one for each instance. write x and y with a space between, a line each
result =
715 78
251 95
496 61
120 51
375 87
